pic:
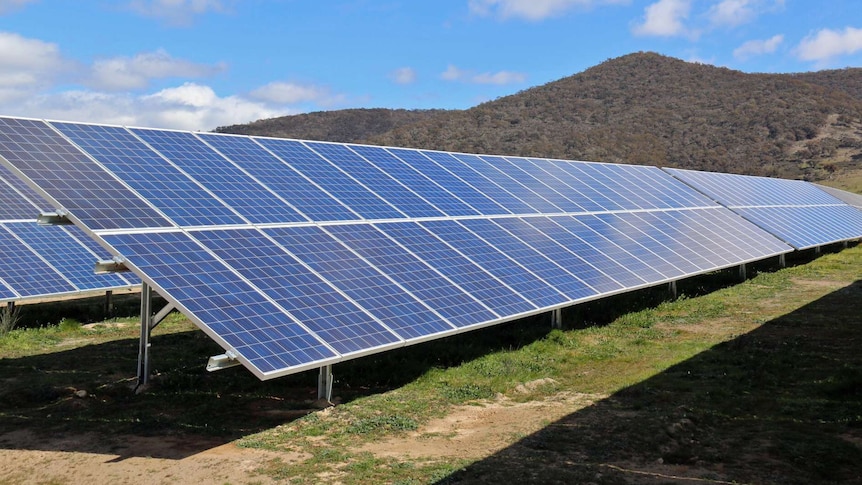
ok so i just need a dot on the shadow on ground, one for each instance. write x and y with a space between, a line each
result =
781 404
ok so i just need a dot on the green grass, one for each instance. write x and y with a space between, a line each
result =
738 381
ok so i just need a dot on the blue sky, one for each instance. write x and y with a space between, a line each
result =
199 64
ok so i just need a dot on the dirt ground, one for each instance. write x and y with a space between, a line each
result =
470 432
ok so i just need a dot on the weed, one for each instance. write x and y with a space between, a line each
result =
9 317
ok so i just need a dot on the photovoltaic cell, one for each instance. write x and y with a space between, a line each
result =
225 180
462 271
73 180
228 307
6 293
25 271
415 181
65 254
429 286
334 181
287 183
13 205
364 284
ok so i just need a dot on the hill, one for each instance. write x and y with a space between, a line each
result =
642 108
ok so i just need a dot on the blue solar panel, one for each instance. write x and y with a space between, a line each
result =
285 182
331 179
430 287
13 205
513 180
65 254
454 185
225 305
325 311
496 262
171 191
6 293
225 180
364 284
795 211
375 180
480 182
73 180
847 197
533 175
25 271
585 191
458 268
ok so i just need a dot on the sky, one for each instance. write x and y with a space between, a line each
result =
200 64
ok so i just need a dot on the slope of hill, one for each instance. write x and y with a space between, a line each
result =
347 125
644 108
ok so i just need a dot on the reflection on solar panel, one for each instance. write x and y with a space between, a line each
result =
38 261
847 197
295 254
795 211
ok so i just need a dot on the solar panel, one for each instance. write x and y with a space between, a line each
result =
293 254
847 197
795 211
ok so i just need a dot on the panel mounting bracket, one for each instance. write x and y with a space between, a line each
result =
53 218
115 265
222 361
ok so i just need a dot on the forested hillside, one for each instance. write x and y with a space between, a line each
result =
641 108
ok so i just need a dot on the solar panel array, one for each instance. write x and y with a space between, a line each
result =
294 255
42 262
797 212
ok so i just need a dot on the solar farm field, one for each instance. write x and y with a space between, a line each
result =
754 382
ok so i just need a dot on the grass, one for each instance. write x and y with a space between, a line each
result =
758 381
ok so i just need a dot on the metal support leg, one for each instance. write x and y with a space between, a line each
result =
557 318
671 288
146 329
743 272
816 251
324 383
782 261
109 304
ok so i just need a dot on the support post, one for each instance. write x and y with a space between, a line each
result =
557 318
671 288
816 251
146 329
324 383
782 261
845 244
109 304
743 272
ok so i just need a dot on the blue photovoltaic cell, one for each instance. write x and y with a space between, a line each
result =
568 251
361 282
539 180
465 192
312 301
435 291
375 180
513 180
12 204
23 270
627 268
414 180
496 262
686 250
737 238
465 273
549 261
65 254
211 293
647 249
233 186
6 293
308 198
172 192
19 189
585 191
621 193
480 182
55 165
327 176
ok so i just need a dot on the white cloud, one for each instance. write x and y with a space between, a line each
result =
10 5
28 65
531 9
122 73
732 13
188 107
758 47
453 73
664 18
403 75
177 12
283 93
827 43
